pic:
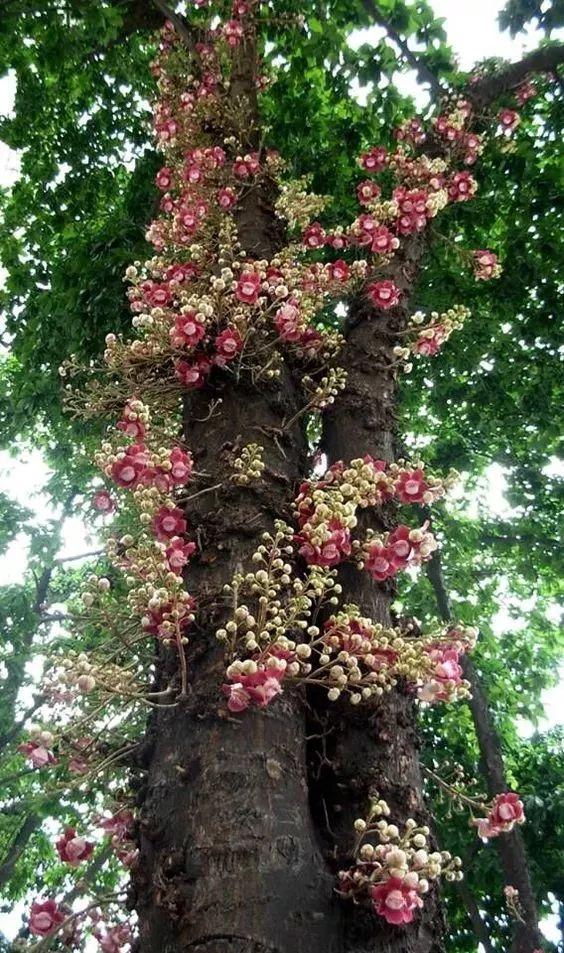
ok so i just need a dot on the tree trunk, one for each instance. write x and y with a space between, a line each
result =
511 849
376 751
229 860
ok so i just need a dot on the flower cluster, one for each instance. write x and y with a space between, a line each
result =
273 637
249 465
394 869
327 513
427 333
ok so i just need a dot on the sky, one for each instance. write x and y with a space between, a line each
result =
473 33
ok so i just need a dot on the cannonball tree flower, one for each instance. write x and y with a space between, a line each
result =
396 900
178 553
168 522
127 470
226 198
446 676
158 295
228 344
430 340
287 321
181 466
256 688
509 119
164 178
383 294
193 374
45 917
462 187
507 810
181 273
339 271
375 160
233 32
188 330
379 562
73 850
103 501
248 287
314 236
526 91
331 551
367 192
38 753
411 487
383 241
113 939
486 265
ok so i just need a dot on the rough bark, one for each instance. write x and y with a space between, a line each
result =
376 751
229 858
510 846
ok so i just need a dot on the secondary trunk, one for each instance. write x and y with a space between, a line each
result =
378 750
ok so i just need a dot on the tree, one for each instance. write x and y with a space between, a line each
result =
222 794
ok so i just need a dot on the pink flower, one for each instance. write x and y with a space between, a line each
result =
158 295
164 179
507 810
168 522
181 466
72 849
127 470
286 320
379 562
195 374
339 271
228 344
238 699
462 187
367 192
256 688
383 242
411 486
375 160
114 939
332 551
187 330
383 294
119 826
103 502
314 236
178 553
233 32
430 344
395 900
509 119
445 678
486 264
248 287
38 754
45 917
525 92
226 198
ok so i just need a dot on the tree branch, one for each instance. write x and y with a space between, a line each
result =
425 74
544 60
17 847
178 23
510 846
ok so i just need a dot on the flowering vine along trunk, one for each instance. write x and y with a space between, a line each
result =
276 804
